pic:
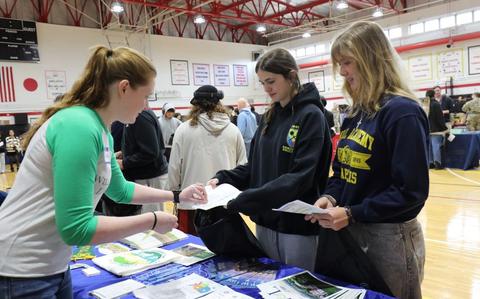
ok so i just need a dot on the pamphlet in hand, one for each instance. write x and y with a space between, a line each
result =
130 262
189 287
300 207
220 196
151 239
191 254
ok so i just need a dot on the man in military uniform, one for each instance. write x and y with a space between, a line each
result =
472 108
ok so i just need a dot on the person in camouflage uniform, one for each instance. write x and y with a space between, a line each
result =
472 108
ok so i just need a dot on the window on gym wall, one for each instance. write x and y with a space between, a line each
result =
395 32
310 51
476 16
416 28
320 49
432 25
447 22
301 52
464 18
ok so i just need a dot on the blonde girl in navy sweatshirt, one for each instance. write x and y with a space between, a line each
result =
380 180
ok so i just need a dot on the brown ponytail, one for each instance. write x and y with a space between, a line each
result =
104 67
279 61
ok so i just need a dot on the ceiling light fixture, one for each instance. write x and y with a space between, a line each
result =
261 28
342 4
117 7
377 13
199 19
306 35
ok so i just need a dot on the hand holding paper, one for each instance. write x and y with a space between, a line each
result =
300 207
220 196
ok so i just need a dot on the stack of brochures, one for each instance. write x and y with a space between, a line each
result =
189 287
191 254
152 239
130 262
304 285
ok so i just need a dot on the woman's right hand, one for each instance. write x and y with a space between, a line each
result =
165 222
213 183
322 203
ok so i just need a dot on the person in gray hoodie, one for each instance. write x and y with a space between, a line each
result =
206 143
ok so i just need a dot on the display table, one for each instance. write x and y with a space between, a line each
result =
464 151
242 275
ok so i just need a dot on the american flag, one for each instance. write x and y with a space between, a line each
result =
7 88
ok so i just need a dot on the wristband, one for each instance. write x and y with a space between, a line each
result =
348 211
176 196
154 220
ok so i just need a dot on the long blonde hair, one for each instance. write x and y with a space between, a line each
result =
377 65
104 67
279 61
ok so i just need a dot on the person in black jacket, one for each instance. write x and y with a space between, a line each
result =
328 116
437 131
289 160
142 157
380 171
445 101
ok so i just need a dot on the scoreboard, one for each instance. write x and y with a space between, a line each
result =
18 40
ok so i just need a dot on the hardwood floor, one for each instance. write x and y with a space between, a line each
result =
451 223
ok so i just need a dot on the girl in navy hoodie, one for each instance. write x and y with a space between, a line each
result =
289 159
380 180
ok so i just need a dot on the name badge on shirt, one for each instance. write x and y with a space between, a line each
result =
107 156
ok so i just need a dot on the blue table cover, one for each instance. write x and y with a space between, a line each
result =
242 275
464 151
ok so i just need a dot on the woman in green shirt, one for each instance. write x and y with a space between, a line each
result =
68 165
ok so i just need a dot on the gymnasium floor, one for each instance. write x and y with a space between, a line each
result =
451 223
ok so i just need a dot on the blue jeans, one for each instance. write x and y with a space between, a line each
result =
58 286
436 143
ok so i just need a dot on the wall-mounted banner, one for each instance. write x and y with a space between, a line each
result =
317 77
240 75
7 84
420 68
179 72
56 83
450 64
221 74
201 74
474 60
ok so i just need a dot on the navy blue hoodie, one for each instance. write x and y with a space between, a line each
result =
381 165
291 161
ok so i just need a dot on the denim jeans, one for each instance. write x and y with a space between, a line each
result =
436 143
58 286
397 250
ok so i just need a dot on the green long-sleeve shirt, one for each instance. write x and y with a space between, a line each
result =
67 167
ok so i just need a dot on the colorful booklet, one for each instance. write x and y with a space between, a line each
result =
130 262
152 239
304 286
191 254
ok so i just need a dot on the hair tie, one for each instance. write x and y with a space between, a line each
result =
109 53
